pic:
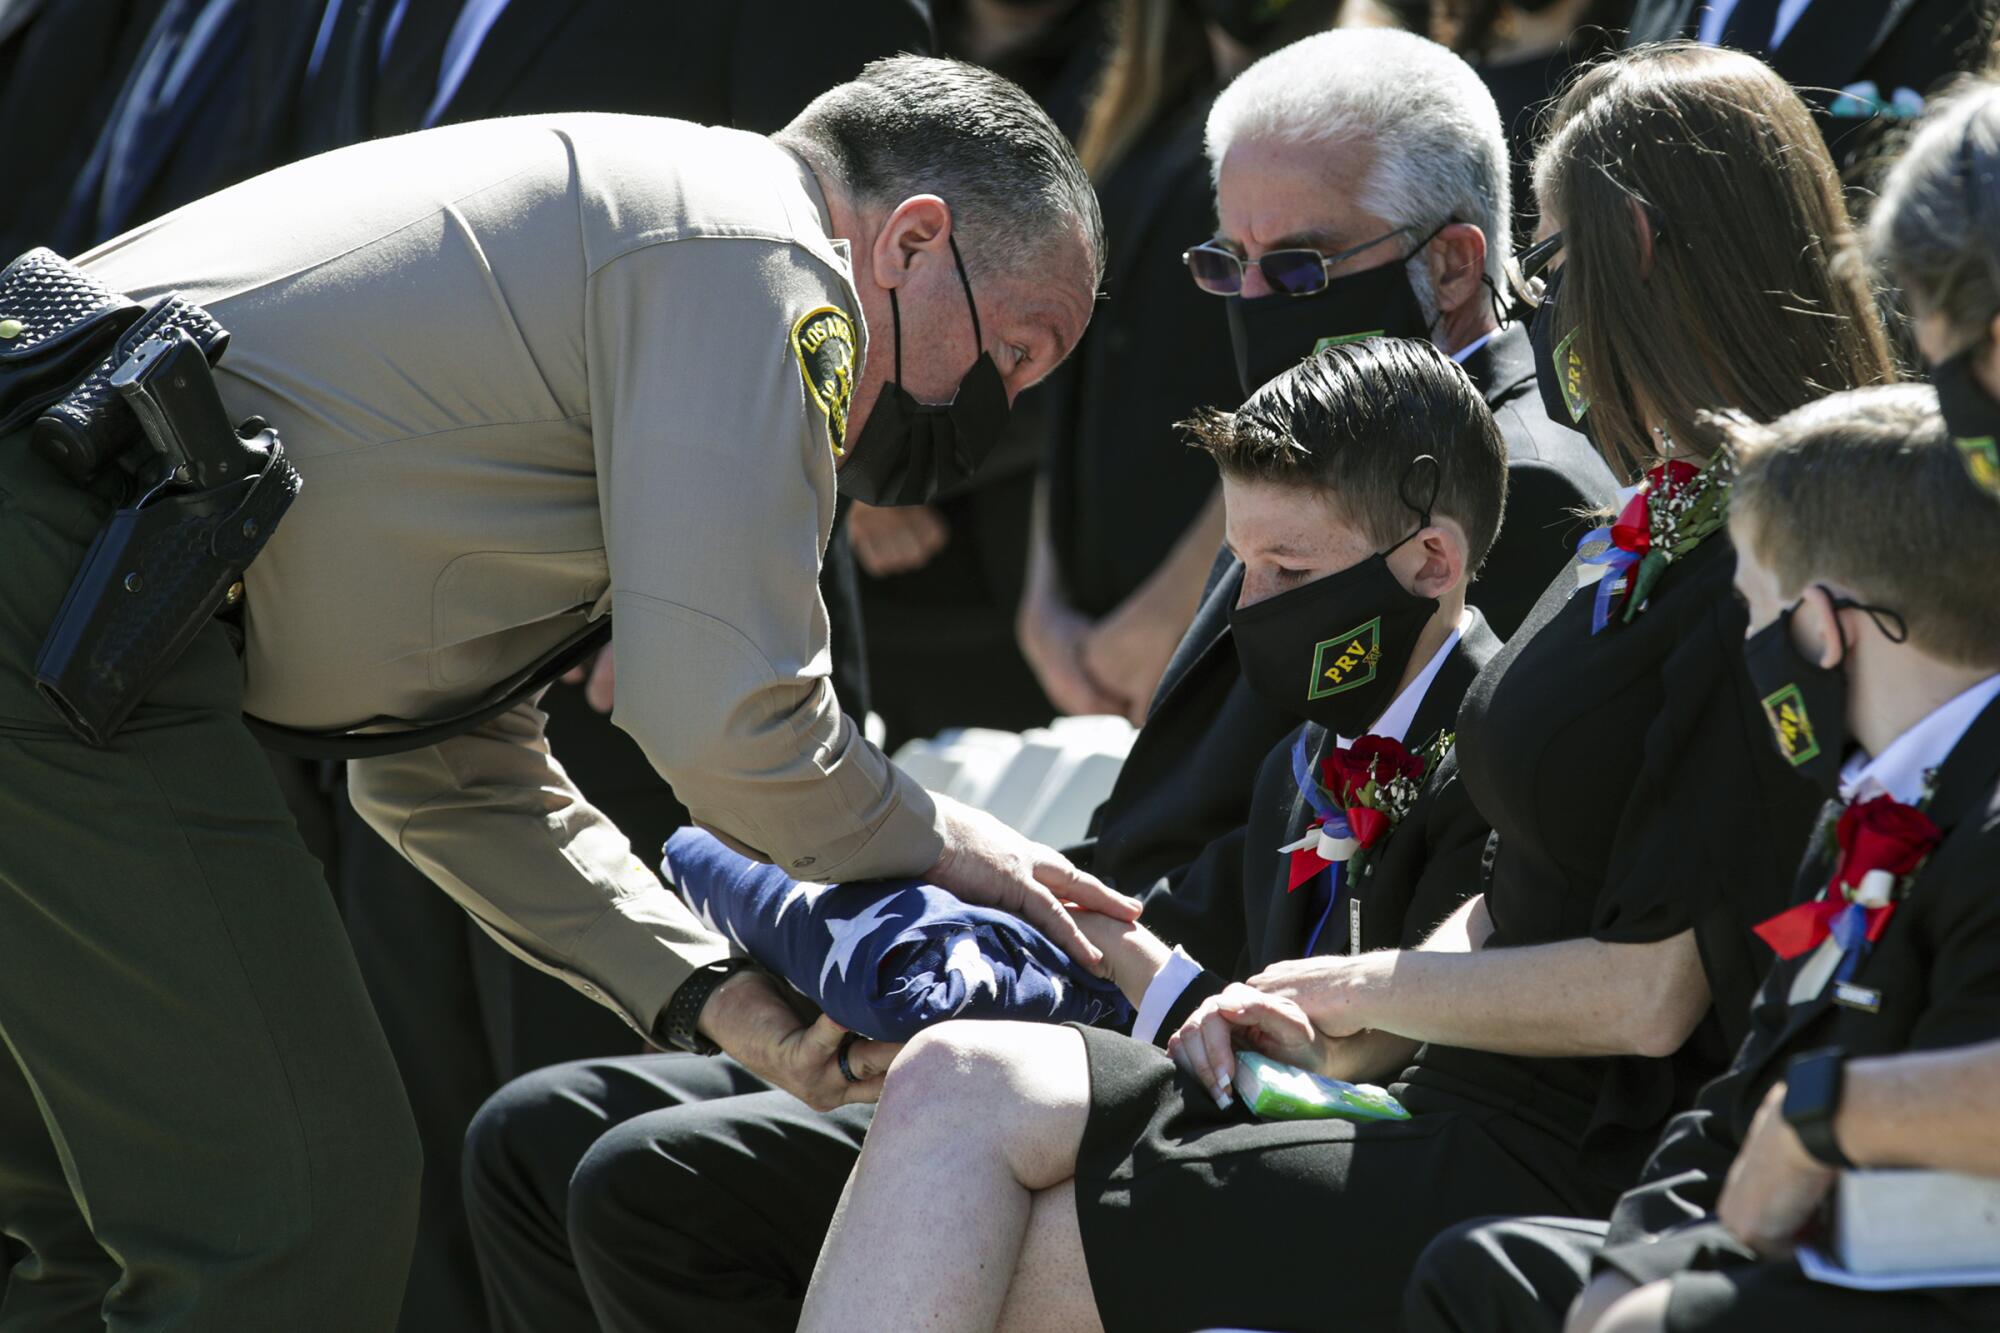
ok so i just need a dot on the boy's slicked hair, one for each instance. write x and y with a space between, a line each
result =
1866 490
1352 420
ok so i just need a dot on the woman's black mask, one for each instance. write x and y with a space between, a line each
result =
910 451
1558 369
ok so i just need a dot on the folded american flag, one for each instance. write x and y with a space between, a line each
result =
885 958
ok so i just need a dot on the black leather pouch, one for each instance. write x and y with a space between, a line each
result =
56 323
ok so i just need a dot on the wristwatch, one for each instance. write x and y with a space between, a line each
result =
1812 1096
683 1012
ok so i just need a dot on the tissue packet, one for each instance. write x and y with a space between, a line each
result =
1276 1091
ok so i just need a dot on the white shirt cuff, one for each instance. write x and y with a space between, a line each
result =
1165 988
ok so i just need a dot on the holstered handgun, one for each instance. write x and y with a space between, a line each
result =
162 567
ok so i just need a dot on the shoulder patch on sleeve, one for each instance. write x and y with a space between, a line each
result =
823 340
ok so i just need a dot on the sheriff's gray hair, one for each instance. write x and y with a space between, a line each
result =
911 125
1936 227
1439 151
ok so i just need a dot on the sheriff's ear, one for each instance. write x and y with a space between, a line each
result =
917 231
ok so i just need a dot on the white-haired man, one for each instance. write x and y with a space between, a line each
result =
1361 188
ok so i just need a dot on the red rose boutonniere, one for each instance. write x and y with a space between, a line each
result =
1362 792
1883 844
1677 506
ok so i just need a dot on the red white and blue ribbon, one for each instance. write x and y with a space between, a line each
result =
1618 563
1331 839
1854 925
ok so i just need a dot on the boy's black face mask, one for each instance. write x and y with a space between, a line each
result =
1806 703
1334 651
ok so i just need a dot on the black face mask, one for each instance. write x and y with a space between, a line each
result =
1558 370
1271 334
1805 702
909 451
1248 21
1334 651
1972 416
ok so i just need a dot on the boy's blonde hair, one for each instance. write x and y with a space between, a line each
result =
1865 490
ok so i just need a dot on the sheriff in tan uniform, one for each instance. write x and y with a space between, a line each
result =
553 380
533 373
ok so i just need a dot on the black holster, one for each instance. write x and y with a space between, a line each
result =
107 381
149 584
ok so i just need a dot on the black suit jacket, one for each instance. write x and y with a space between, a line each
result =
1895 44
1235 911
1188 778
748 64
1935 973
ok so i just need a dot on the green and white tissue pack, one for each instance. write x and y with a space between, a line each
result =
1275 1091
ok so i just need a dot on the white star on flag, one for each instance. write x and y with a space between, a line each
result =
803 889
849 933
972 965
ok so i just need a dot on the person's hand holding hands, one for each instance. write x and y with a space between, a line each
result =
1774 1184
988 863
1329 989
1127 652
1206 1045
1052 636
895 539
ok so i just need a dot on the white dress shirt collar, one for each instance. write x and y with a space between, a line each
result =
1899 770
1398 716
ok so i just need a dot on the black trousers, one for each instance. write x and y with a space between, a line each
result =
657 1192
1505 1275
1520 1275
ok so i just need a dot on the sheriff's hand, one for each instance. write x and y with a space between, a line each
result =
750 1020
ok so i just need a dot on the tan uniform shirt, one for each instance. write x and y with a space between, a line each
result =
533 371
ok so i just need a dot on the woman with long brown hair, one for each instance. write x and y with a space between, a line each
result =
1705 261
1643 821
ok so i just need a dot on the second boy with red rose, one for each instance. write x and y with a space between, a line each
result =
1878 660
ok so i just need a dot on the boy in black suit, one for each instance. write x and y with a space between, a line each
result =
1860 543
1315 486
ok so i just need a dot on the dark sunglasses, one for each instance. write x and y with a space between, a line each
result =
1293 272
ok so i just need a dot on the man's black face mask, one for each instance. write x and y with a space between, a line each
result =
1271 334
910 451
